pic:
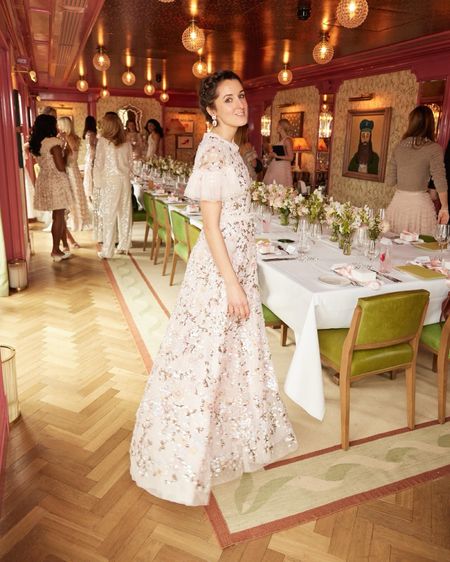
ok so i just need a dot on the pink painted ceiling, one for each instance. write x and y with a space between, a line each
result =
249 36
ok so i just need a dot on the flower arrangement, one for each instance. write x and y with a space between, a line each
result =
259 193
348 220
315 207
375 227
281 200
365 214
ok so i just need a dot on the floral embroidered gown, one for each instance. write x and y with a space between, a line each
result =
211 408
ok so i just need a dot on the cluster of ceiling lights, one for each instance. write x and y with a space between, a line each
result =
349 13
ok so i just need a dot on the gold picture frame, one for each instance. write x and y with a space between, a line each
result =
366 143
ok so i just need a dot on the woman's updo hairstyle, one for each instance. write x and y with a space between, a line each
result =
208 89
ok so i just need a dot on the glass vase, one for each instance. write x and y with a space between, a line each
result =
314 230
284 218
346 240
334 236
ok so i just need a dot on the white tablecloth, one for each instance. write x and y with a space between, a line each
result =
292 290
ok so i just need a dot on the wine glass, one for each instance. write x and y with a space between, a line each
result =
441 235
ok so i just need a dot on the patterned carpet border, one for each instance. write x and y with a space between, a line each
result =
225 536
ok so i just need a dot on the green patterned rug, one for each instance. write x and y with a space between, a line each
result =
305 488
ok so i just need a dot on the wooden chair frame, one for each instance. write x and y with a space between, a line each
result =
440 365
175 255
168 243
344 370
283 327
154 228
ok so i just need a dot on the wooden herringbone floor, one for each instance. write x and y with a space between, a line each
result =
68 495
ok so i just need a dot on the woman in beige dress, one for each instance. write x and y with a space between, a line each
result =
415 158
279 170
79 211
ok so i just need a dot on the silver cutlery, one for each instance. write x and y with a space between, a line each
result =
386 276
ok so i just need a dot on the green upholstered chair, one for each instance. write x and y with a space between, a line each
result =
180 240
163 232
436 338
150 221
384 335
271 320
193 232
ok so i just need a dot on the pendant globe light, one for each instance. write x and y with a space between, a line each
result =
101 61
104 92
193 37
323 52
128 77
149 89
352 13
164 97
200 68
82 85
285 76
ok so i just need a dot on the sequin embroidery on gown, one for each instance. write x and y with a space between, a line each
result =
211 408
79 212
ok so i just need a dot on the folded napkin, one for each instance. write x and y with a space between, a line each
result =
409 236
363 277
420 271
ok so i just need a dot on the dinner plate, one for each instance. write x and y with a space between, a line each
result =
334 280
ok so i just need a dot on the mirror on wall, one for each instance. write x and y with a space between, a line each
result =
324 140
431 93
131 113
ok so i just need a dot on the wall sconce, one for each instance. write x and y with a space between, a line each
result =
31 73
361 97
265 126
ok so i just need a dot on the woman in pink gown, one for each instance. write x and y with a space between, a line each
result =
211 409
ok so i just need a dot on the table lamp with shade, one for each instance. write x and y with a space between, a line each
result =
299 145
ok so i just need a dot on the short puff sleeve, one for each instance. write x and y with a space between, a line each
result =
213 177
50 142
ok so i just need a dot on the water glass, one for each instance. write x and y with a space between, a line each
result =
266 219
441 235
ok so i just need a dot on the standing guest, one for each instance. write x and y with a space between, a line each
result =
155 134
282 154
79 212
52 190
49 110
415 158
134 138
247 151
211 409
112 173
90 137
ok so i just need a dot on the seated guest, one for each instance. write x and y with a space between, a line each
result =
414 160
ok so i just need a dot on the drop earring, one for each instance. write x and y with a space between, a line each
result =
214 120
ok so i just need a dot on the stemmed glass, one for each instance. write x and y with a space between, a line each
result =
441 235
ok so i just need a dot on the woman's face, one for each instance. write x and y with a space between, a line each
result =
230 106
131 126
150 127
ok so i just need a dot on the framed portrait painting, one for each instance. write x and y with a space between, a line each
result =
366 143
185 141
295 119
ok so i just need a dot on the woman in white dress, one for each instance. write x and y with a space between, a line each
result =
279 169
112 175
155 134
90 137
211 409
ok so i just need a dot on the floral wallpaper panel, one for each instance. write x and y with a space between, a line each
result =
397 90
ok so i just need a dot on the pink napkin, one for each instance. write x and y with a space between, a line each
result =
346 270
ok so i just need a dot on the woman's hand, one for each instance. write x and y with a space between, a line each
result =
443 216
237 302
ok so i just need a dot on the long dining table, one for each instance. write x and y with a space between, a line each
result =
291 288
